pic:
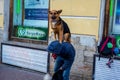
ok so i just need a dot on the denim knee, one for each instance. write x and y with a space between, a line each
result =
66 74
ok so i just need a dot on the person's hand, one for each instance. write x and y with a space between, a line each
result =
54 56
53 59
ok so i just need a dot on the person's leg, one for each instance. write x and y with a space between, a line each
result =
58 63
66 72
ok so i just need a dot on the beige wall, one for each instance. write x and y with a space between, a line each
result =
1 21
81 15
1 12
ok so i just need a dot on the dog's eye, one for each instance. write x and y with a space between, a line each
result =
50 13
53 13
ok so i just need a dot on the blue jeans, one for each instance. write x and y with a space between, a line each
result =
58 63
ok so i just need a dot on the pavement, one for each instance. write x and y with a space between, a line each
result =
8 72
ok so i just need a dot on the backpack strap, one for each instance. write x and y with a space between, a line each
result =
113 42
104 44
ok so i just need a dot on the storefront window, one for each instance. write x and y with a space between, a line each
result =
116 19
30 20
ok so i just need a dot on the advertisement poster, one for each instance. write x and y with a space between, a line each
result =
31 19
36 13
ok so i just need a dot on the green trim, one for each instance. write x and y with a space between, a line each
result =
18 6
111 7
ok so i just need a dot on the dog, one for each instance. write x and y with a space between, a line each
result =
59 27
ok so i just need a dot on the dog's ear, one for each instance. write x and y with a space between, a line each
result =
59 11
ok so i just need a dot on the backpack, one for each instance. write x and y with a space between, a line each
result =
106 46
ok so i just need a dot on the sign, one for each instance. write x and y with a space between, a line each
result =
36 13
25 57
102 72
31 33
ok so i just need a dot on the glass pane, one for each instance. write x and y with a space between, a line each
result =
30 19
116 25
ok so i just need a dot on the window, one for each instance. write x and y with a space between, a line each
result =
29 20
116 18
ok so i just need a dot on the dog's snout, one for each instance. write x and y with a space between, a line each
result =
54 17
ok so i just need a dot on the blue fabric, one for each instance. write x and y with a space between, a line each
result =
65 50
61 62
116 50
55 47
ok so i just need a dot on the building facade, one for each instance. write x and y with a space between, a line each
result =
89 21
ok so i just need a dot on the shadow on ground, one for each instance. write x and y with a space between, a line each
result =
8 72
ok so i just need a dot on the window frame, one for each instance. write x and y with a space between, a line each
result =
11 27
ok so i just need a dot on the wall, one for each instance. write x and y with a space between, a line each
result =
1 21
81 15
1 13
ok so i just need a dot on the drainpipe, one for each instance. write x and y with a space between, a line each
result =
6 20
101 24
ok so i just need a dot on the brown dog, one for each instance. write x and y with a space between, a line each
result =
59 27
